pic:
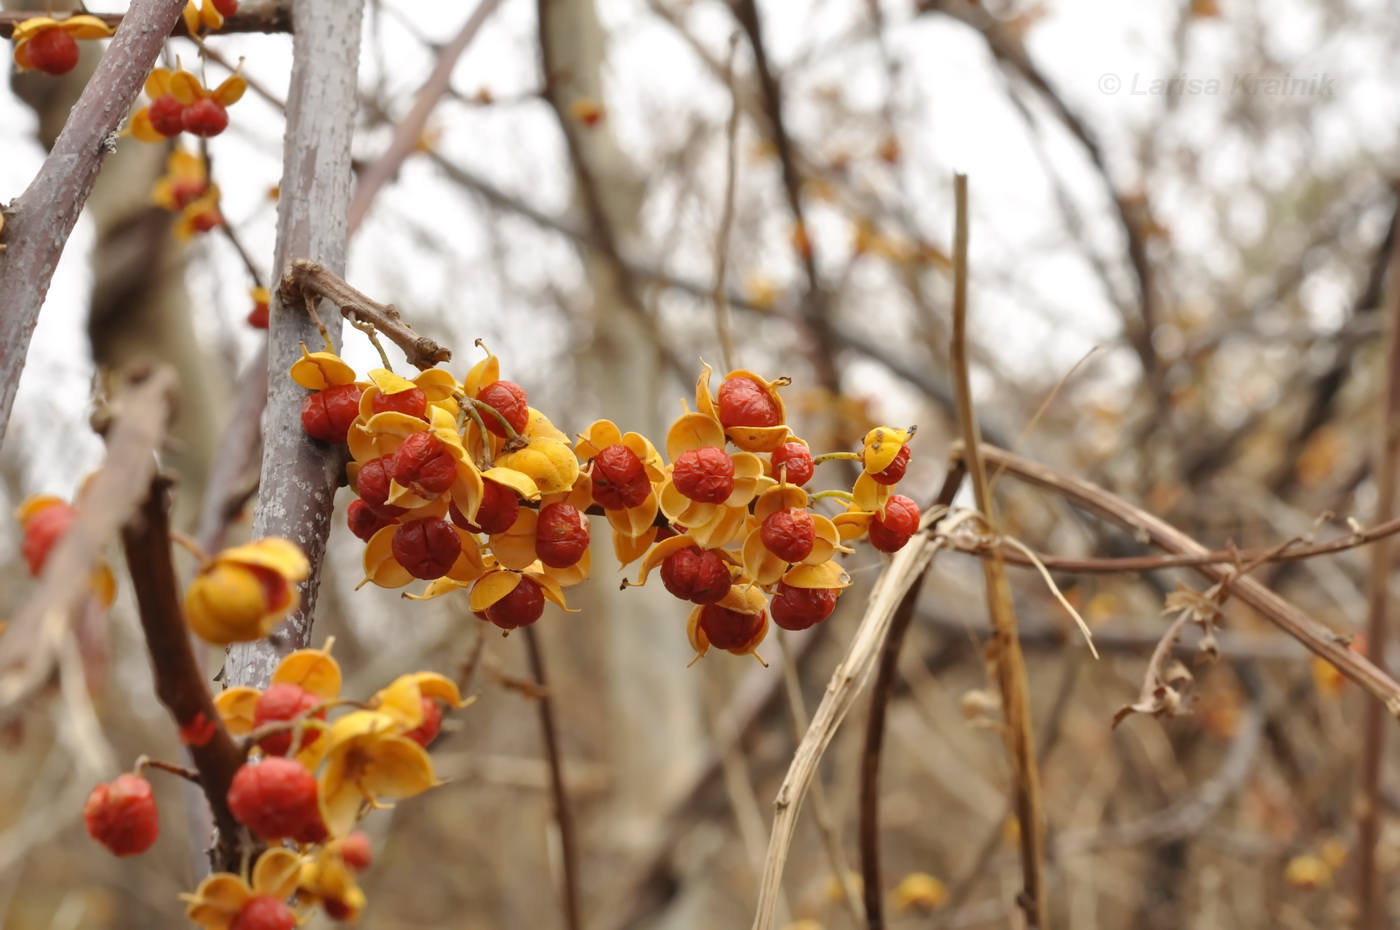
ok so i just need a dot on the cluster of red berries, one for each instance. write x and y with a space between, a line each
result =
204 117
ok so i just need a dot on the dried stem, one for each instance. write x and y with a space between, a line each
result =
1004 650
33 643
724 323
568 843
409 131
41 219
311 279
1370 910
179 677
1316 637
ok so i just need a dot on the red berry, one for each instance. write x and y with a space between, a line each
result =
705 475
226 7
363 521
355 850
509 400
264 912
900 521
411 402
561 535
372 484
337 909
696 575
427 731
619 478
188 191
894 471
744 402
799 608
499 508
729 629
521 607
258 317
53 51
275 798
789 534
427 547
122 815
205 220
167 115
327 415
284 701
797 458
205 117
41 531
425 465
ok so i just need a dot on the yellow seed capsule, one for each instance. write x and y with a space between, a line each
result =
227 604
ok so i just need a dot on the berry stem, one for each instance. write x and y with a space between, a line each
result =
466 407
846 496
372 334
513 440
189 545
145 761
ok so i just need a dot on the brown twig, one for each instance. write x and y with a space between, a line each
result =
299 475
179 677
568 842
1370 910
31 647
40 220
252 16
409 131
311 279
1316 637
1004 650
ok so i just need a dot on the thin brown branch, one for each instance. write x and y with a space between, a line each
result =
179 677
39 221
33 643
1004 650
1316 637
563 814
305 278
1370 910
408 133
252 16
299 475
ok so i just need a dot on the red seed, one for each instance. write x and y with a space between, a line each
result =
41 531
705 475
225 7
264 912
894 471
327 415
729 629
744 402
427 731
363 521
205 220
799 608
167 115
411 402
275 798
619 478
372 484
696 575
258 317
285 701
425 465
426 548
337 910
122 815
900 521
53 51
499 509
187 192
561 535
789 534
205 118
510 401
356 852
521 607
797 458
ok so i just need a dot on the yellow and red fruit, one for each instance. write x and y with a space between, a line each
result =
167 115
893 472
561 535
205 118
264 912
276 799
425 465
423 734
363 521
521 607
891 532
509 400
412 402
327 415
426 548
730 629
285 701
53 51
619 478
499 508
696 575
789 534
797 459
704 475
800 608
42 530
122 815
745 402
372 484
